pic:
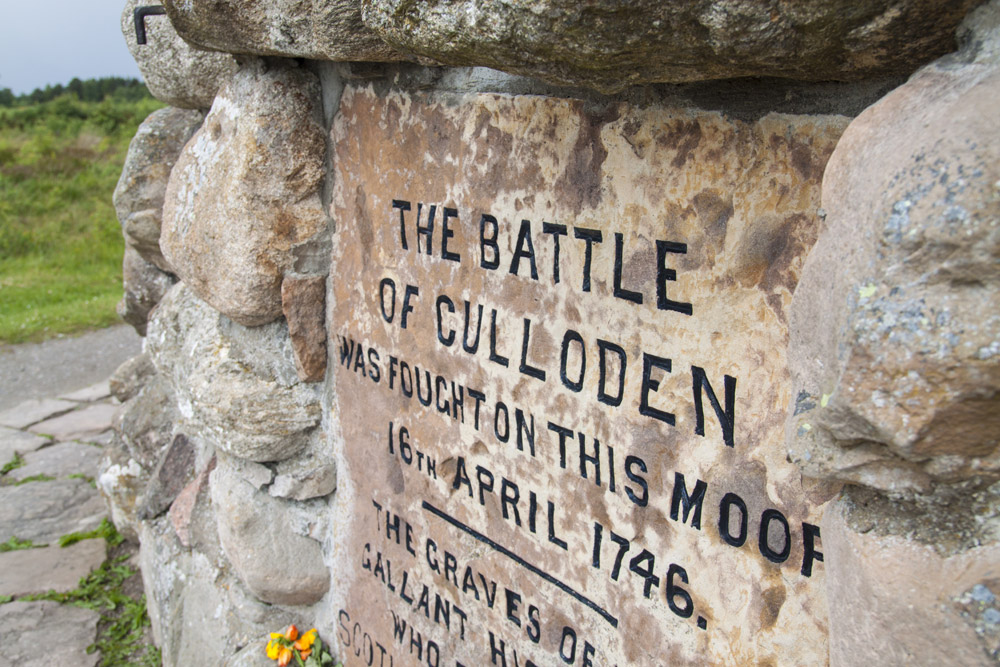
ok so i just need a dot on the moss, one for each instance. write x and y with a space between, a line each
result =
13 464
16 544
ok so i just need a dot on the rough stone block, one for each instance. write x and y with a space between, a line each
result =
894 345
303 478
236 386
138 197
245 191
144 286
276 564
895 601
172 473
131 376
303 302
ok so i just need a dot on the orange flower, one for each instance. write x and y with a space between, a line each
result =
284 656
292 633
305 654
306 641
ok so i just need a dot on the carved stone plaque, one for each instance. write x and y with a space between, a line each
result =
559 333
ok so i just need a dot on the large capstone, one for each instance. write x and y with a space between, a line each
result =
327 30
612 45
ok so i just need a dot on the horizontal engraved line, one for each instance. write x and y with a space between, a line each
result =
520 561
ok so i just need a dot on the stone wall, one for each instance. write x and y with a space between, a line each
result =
523 333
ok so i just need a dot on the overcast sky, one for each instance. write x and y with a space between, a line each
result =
51 41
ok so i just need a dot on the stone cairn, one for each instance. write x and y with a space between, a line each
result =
578 333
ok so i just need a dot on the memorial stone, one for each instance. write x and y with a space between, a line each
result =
562 385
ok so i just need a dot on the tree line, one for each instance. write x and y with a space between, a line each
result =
86 90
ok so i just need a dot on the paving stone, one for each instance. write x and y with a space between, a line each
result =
30 412
61 460
45 511
79 424
94 392
12 440
27 630
53 568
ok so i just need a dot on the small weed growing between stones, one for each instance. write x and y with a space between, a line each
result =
16 544
121 636
4 599
87 478
106 530
13 464
35 478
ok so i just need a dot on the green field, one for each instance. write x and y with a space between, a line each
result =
60 242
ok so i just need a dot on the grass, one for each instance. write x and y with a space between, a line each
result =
121 632
13 464
106 530
60 241
17 544
34 478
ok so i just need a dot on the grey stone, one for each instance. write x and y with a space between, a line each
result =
893 330
609 46
30 412
319 30
257 474
131 376
173 472
138 197
236 386
147 421
25 627
122 481
174 72
18 442
276 564
79 424
45 511
246 191
60 460
196 608
144 286
250 656
29 571
303 478
94 392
